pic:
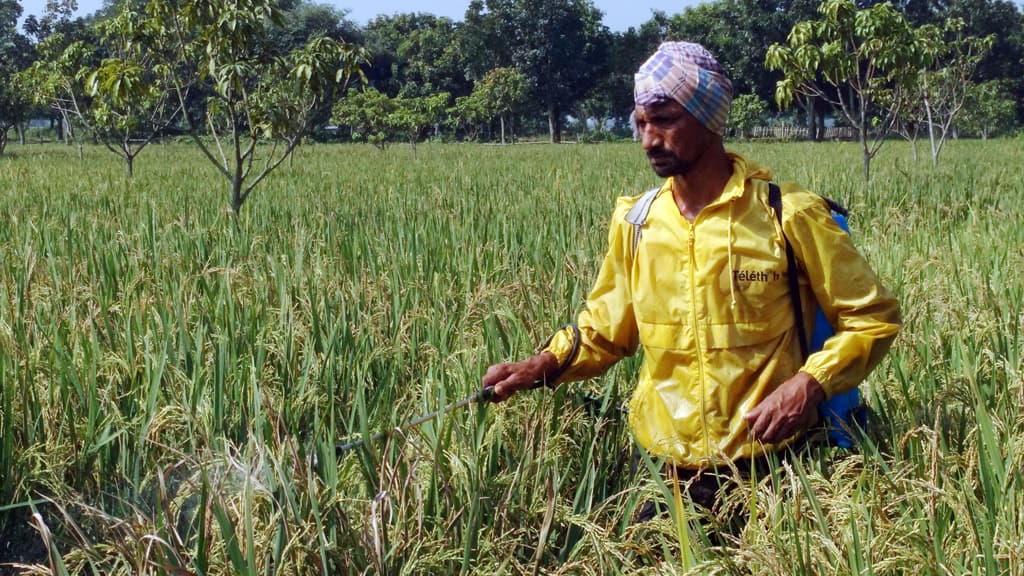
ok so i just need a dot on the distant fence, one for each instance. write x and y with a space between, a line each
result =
794 132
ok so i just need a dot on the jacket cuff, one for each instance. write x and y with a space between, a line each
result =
559 344
822 378
564 345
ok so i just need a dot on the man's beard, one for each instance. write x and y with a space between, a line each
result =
666 164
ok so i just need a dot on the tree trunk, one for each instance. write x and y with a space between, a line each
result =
862 129
913 143
931 133
554 124
501 118
236 196
3 140
864 146
129 162
812 132
68 131
237 178
21 132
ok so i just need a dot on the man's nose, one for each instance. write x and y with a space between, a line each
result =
650 137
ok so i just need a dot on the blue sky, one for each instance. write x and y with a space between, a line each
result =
618 14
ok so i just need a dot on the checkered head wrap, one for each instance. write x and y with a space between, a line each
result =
689 74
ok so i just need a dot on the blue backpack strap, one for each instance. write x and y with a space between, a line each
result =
637 215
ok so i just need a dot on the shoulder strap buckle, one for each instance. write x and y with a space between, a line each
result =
637 215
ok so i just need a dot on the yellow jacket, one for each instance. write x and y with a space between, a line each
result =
709 302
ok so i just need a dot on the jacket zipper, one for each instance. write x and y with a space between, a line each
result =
696 338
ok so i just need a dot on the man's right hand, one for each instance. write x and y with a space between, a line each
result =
508 378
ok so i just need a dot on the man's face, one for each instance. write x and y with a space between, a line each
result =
673 139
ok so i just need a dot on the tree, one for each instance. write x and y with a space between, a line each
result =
747 111
1005 60
412 115
58 80
132 99
912 115
248 92
949 60
486 37
499 92
990 109
562 48
16 54
304 21
848 58
378 119
419 55
468 115
15 105
56 18
367 113
560 45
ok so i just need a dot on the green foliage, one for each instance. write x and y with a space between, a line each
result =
849 58
15 55
950 59
305 20
15 106
989 110
223 55
859 49
1004 21
746 112
377 119
560 45
468 115
366 112
57 79
132 92
498 93
415 55
501 90
412 115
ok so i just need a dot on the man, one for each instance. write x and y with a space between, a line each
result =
702 286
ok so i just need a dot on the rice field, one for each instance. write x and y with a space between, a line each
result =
173 383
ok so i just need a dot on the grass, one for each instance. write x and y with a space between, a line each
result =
172 386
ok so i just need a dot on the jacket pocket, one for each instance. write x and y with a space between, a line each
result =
665 336
743 334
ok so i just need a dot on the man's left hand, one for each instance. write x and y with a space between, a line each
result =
792 407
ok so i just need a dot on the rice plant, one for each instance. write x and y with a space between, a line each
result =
173 386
